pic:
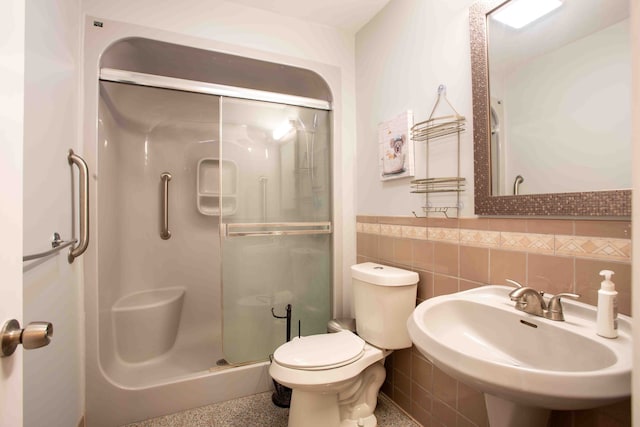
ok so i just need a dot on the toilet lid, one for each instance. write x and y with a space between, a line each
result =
323 351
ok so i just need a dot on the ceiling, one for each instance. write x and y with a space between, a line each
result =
349 15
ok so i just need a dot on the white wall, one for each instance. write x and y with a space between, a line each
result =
402 55
53 390
235 24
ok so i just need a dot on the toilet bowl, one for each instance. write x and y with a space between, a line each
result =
340 389
336 377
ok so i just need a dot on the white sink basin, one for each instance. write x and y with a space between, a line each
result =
478 337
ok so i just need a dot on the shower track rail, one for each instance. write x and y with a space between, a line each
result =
276 229
152 80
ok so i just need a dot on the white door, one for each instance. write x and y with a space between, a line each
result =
635 113
12 32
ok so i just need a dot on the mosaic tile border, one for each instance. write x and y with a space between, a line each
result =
603 248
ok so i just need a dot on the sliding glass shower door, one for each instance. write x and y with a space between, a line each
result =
274 204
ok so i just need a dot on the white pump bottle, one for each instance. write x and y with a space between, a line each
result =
607 317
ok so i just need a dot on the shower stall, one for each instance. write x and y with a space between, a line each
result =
211 212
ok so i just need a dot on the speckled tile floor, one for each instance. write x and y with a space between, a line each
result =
258 411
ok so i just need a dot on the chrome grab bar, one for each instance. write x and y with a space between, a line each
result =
263 189
83 170
56 246
276 229
516 184
165 234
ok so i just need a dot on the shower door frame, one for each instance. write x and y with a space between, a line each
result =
172 88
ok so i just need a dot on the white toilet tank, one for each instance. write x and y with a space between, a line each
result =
384 298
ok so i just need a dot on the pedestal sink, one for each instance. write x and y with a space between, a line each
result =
525 364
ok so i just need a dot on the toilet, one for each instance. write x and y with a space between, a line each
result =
336 377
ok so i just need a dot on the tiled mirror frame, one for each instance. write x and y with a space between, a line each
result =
615 203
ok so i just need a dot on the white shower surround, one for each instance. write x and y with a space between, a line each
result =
108 401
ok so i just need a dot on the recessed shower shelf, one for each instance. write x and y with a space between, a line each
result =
217 187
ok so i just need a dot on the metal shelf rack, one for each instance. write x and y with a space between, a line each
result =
436 127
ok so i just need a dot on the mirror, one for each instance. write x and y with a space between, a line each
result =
551 104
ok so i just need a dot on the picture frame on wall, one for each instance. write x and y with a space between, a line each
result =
395 147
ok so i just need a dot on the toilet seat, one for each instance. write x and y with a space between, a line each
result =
319 352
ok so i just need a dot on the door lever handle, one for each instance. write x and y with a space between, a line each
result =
35 335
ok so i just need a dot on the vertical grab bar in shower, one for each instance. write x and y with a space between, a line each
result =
83 203
165 234
263 189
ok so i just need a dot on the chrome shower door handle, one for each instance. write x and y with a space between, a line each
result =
83 242
165 234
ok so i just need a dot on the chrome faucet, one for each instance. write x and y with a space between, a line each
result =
531 301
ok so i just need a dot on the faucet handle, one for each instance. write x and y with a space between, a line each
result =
514 283
519 287
554 311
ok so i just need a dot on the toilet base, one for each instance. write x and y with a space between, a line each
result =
351 405
370 421
316 410
309 409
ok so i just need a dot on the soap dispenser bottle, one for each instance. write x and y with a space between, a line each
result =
607 317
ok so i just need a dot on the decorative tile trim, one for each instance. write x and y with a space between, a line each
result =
410 232
449 235
594 247
485 239
391 230
528 242
370 228
577 246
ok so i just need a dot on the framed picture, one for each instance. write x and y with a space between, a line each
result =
395 147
